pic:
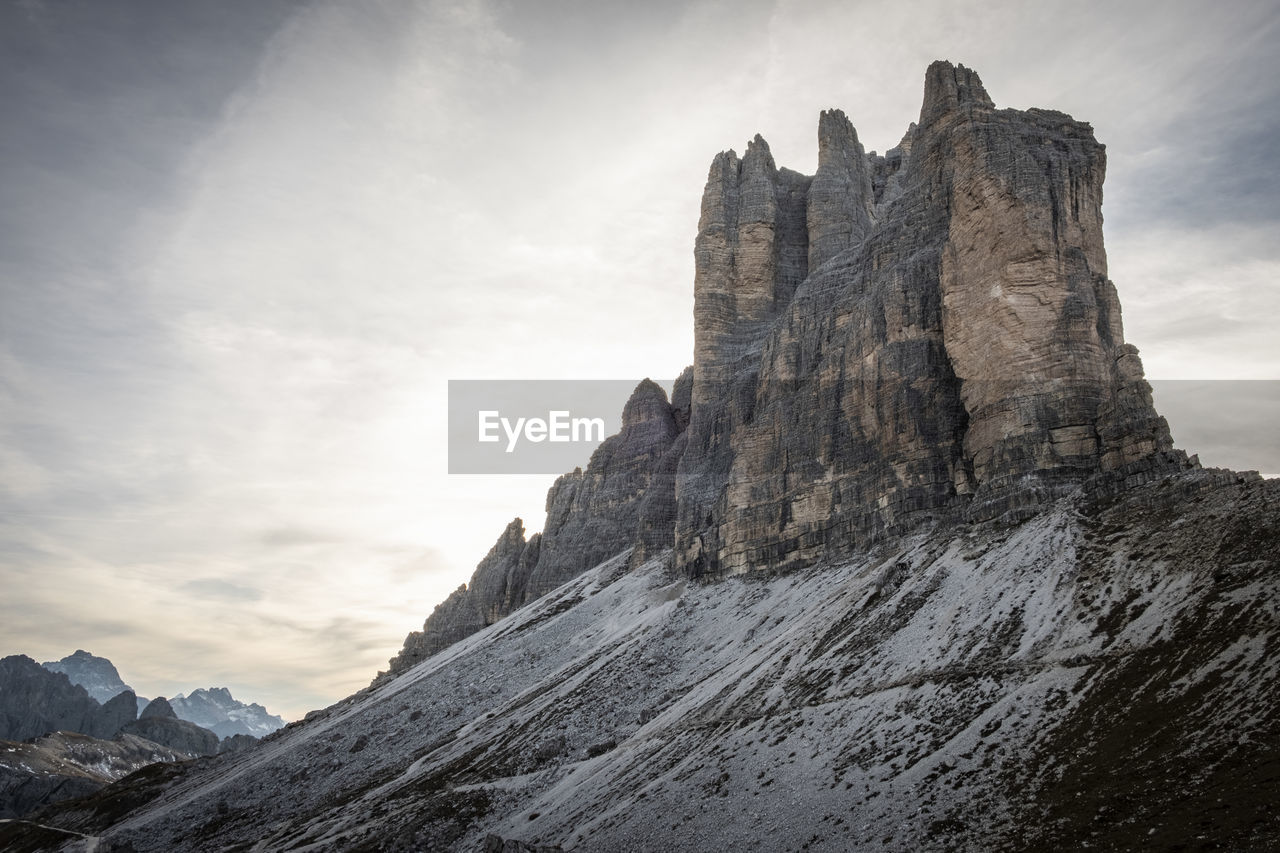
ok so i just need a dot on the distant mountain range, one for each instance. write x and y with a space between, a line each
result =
70 727
213 708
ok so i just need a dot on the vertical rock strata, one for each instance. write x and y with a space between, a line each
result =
956 351
928 335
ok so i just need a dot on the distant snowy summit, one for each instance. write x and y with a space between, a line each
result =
215 709
212 708
98 676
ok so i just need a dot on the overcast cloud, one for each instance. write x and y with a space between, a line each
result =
244 245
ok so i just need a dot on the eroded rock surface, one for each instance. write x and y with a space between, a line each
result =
624 499
955 352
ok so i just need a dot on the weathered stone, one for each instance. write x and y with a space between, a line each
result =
840 201
624 499
964 358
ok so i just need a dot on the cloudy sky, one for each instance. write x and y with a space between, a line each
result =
245 244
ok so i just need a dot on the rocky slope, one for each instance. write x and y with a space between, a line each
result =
1100 673
65 765
908 562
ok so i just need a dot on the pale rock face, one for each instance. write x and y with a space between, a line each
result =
97 675
955 352
840 201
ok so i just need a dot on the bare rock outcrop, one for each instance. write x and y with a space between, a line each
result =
923 337
35 701
956 352
625 498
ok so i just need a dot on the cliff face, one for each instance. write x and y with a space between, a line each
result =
896 341
954 352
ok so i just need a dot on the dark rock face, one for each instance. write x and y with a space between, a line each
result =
35 701
624 499
956 352
159 708
237 743
115 715
97 675
174 733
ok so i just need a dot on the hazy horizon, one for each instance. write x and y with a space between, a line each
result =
245 246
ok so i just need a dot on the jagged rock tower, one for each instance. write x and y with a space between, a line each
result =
925 335
921 337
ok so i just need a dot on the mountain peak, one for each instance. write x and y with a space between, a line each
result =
948 88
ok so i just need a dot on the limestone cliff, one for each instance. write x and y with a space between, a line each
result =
896 341
956 351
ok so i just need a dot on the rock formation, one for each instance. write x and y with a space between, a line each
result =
624 499
97 675
1012 616
35 701
956 351
218 711
894 342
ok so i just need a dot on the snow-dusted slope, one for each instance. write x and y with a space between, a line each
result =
1102 673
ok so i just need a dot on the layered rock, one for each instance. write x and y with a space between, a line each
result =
921 337
956 353
840 203
624 499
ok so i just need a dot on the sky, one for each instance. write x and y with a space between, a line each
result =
244 246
